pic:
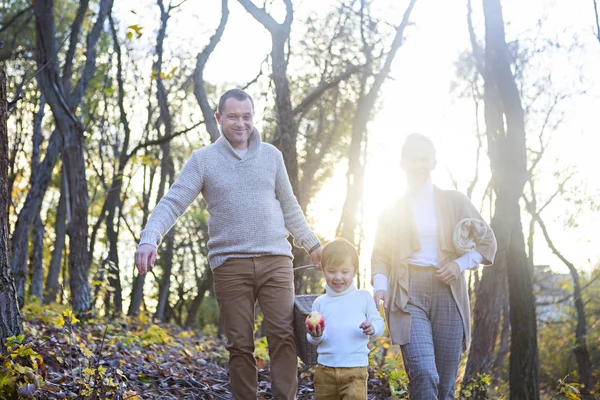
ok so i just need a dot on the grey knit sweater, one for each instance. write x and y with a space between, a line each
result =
250 202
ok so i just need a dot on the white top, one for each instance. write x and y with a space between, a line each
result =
422 203
343 343
241 153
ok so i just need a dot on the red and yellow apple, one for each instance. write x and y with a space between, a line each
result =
314 319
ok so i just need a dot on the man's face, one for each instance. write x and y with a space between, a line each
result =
418 161
237 122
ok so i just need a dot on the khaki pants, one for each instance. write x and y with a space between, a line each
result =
340 383
239 283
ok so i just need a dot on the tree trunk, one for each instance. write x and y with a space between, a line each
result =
203 287
60 229
524 380
166 168
37 255
504 336
31 208
580 349
506 141
71 129
37 259
166 255
10 317
366 103
199 84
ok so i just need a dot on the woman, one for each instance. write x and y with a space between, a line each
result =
418 273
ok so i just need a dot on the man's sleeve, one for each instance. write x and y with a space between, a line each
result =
294 219
180 195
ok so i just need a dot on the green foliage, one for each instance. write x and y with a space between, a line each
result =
21 370
155 335
476 388
386 361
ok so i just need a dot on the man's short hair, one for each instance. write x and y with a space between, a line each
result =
416 137
338 252
237 94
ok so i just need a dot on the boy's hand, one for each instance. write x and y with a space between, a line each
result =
315 331
367 328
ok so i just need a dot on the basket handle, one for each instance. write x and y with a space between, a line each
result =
302 267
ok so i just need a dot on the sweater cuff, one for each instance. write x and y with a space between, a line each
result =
469 260
149 236
311 242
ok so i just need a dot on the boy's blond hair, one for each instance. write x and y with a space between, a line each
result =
339 251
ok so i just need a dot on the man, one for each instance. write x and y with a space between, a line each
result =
251 209
418 274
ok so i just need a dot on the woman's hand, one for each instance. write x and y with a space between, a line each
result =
448 273
379 296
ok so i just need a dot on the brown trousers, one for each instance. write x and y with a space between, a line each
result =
239 283
340 383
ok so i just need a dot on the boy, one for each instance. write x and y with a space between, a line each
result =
351 319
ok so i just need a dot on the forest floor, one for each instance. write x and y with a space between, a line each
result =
60 357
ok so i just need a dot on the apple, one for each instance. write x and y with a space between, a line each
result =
314 319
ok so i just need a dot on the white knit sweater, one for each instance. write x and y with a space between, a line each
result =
343 343
250 202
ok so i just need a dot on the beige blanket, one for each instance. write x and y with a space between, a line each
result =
468 233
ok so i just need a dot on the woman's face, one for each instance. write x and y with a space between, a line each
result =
418 161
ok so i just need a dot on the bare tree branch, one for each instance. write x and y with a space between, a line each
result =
199 84
322 88
597 20
75 31
163 139
477 52
261 15
14 18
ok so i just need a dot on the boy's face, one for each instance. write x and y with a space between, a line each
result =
339 278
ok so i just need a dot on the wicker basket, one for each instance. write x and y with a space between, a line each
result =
302 307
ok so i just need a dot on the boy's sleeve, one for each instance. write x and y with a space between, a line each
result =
316 340
373 316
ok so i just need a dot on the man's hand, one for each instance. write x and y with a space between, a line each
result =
315 331
379 296
316 257
448 273
367 328
145 257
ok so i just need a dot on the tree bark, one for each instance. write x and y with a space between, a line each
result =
204 285
580 349
60 229
506 147
10 316
166 167
71 130
200 85
524 363
37 255
366 103
286 132
31 208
